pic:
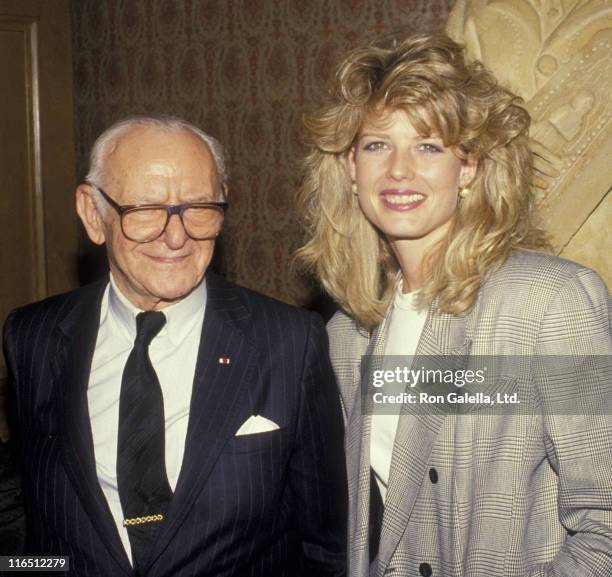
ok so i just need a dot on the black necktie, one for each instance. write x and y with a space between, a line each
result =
143 485
377 510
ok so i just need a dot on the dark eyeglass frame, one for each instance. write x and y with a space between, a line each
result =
170 209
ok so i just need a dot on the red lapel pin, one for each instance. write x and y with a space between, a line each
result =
224 360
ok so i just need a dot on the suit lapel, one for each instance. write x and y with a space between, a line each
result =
223 396
416 435
71 369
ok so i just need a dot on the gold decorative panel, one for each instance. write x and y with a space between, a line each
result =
557 55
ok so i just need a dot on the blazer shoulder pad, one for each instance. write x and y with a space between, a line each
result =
534 270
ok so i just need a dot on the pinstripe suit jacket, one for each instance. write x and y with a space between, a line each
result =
257 505
512 495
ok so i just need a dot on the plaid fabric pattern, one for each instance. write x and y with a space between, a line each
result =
484 495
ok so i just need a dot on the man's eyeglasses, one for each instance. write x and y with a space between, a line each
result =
147 222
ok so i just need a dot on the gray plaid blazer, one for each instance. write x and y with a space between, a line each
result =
526 494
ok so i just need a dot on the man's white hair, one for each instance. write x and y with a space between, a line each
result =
104 144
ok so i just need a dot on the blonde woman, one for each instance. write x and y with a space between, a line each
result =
422 227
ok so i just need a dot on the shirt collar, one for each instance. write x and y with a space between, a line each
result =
402 300
181 317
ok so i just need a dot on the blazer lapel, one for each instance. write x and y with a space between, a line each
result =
359 425
224 395
443 334
71 372
349 371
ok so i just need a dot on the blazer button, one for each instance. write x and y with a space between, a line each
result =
433 475
425 569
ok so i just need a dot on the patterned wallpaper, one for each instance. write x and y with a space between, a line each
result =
243 70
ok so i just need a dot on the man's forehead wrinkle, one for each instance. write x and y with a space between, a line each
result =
159 154
162 167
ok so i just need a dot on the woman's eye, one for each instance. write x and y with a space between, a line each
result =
374 146
430 147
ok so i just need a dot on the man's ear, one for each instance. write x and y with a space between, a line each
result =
468 171
89 214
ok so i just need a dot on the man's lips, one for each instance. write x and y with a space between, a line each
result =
168 259
402 199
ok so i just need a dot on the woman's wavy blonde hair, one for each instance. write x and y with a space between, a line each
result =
426 76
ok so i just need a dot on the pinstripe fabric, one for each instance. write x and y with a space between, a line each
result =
257 505
12 518
515 495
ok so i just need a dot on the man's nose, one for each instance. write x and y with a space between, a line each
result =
401 165
175 236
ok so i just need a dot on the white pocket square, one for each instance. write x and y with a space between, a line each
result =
256 424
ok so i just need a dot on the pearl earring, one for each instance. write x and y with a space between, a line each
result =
354 188
464 192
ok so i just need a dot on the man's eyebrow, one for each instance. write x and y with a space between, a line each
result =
199 197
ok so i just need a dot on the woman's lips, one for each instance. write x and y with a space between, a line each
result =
402 200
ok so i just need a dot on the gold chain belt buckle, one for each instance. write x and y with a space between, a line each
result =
143 520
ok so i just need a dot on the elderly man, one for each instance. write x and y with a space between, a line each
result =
173 424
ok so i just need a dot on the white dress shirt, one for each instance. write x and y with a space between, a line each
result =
403 333
173 353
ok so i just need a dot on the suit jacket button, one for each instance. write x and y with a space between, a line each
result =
425 568
433 475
